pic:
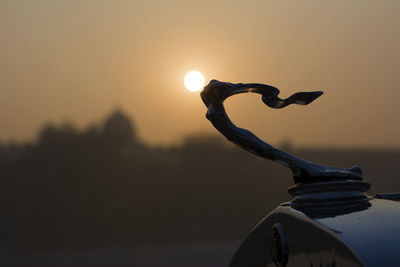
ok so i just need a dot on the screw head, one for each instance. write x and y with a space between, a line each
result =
279 245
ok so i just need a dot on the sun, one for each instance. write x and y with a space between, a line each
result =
194 80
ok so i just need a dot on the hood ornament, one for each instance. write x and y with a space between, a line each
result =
215 93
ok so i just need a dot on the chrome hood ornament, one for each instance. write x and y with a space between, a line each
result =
215 93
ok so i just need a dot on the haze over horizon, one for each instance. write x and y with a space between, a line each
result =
77 61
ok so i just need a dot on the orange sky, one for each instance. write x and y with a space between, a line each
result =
70 60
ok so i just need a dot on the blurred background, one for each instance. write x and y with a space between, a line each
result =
106 159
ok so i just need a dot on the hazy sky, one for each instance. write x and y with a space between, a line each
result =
77 60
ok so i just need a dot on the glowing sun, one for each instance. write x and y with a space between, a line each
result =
194 80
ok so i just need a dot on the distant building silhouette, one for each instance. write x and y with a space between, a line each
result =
103 187
119 127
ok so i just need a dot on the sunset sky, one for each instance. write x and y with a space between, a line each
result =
77 60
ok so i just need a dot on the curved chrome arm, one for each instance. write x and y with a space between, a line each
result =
213 97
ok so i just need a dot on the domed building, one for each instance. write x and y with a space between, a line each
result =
119 127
